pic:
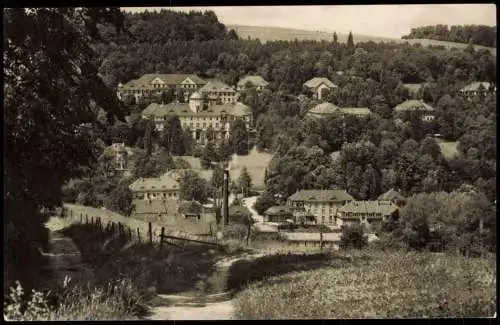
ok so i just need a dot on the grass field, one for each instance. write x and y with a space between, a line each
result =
448 148
289 34
256 163
377 285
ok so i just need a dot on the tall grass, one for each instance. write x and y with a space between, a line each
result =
116 301
377 285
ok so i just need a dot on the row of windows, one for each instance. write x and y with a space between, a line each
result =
204 125
154 195
363 214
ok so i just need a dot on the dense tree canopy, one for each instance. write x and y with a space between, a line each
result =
474 34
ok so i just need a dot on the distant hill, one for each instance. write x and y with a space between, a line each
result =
289 34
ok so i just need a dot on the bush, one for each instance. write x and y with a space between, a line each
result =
353 236
119 300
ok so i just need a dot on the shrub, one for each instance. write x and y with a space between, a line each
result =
119 300
353 236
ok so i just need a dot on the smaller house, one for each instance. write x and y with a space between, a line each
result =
278 214
327 109
330 239
477 89
219 91
366 212
155 188
317 85
256 81
424 110
190 209
394 197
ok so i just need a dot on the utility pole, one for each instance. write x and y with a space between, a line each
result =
226 197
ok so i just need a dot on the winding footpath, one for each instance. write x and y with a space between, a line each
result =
217 306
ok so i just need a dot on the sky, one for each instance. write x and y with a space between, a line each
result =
373 20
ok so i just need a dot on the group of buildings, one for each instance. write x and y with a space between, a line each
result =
335 208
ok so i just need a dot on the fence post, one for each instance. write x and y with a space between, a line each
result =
86 219
150 233
138 235
161 238
81 216
130 233
92 220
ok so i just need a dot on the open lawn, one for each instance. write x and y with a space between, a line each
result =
265 34
256 163
448 148
377 285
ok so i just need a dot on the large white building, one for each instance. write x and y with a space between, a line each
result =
200 115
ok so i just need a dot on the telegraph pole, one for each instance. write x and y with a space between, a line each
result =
226 197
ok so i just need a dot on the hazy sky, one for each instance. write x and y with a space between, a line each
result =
374 20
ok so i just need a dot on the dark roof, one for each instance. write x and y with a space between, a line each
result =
391 195
321 195
190 207
278 210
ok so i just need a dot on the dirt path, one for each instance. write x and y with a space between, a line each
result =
206 307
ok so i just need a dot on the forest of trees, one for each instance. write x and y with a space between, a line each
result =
474 34
57 106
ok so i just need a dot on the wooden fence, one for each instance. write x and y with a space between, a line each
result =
151 236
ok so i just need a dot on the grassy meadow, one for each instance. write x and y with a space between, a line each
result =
266 34
377 285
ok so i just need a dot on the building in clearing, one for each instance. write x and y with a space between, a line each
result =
425 111
366 212
327 109
155 83
414 89
394 197
155 188
322 204
256 81
477 88
205 121
278 214
217 92
317 85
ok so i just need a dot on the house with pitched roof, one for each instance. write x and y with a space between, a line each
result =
322 204
256 81
217 92
477 88
155 188
366 212
155 83
317 85
394 197
327 109
199 118
424 110
278 214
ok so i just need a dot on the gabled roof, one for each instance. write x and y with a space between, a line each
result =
183 109
321 196
413 105
157 183
391 195
384 208
474 86
278 210
238 210
255 80
317 81
190 207
169 79
214 85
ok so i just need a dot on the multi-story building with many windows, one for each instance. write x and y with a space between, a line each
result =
206 121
